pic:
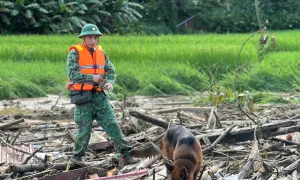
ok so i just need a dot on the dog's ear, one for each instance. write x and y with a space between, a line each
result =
169 165
183 173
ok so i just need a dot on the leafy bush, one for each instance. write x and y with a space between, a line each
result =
65 16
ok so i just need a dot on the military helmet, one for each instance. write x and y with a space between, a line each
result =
89 29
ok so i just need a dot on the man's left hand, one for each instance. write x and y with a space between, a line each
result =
108 86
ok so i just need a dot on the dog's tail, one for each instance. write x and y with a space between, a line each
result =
147 150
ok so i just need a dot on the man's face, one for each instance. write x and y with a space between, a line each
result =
91 40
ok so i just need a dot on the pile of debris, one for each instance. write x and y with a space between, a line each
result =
37 140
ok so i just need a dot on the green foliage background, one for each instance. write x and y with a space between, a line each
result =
146 16
33 66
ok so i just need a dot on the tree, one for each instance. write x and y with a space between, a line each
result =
64 16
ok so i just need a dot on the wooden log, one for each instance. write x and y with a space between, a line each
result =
149 119
6 125
220 153
197 109
284 141
18 126
28 168
148 162
39 174
274 146
58 166
140 135
42 138
238 122
246 169
284 130
191 117
198 126
16 137
210 148
32 154
76 174
291 167
172 103
217 122
254 161
210 118
287 161
244 134
285 178
207 173
229 151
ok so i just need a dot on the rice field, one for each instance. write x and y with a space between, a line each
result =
34 65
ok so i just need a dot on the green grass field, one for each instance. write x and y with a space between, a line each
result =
32 66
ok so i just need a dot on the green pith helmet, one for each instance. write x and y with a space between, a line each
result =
89 29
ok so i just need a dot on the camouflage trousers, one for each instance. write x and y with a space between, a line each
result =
98 109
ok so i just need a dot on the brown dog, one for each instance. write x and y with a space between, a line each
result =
181 147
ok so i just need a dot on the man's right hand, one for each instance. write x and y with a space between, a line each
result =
97 79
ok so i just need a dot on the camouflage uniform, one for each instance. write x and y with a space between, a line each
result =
99 109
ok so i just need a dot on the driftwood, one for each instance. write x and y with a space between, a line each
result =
70 175
140 135
16 137
172 103
17 127
254 161
148 162
210 148
28 168
42 138
210 118
190 117
291 167
212 170
217 123
285 130
199 126
244 134
289 160
238 122
57 166
284 141
40 174
6 125
32 154
149 119
274 146
197 109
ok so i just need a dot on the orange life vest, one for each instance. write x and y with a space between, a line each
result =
88 64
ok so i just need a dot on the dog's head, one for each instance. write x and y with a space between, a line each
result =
178 172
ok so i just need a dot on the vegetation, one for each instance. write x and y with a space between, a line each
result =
146 16
220 16
33 66
66 16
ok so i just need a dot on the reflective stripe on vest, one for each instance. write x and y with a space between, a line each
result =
88 65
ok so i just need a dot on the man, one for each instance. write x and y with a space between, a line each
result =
90 72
